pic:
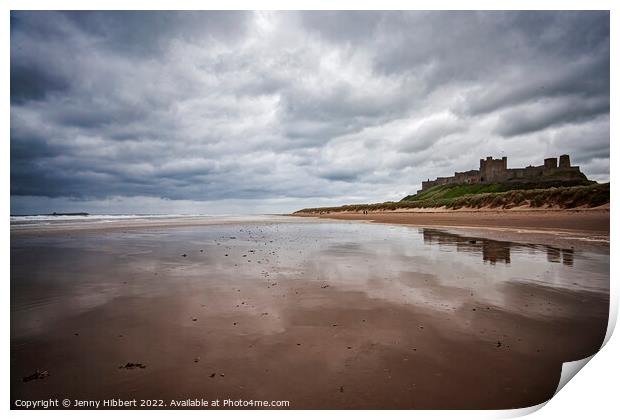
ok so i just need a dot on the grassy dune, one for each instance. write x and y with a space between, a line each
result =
455 191
490 195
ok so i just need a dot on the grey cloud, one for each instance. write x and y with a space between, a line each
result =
587 142
547 113
344 26
430 132
586 78
29 82
348 174
136 32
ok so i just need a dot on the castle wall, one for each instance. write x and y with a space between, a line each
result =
527 172
546 172
469 177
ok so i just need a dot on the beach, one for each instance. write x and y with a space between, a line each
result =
417 311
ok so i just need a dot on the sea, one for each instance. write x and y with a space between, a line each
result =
49 219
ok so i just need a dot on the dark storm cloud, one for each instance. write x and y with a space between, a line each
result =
284 108
547 113
31 82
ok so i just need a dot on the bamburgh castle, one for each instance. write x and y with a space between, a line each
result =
496 170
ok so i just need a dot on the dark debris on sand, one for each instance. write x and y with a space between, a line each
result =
130 365
38 374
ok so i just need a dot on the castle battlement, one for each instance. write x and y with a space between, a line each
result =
496 170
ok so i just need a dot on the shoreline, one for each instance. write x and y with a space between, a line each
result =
139 224
577 228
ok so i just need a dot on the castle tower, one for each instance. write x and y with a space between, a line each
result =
551 163
493 170
564 161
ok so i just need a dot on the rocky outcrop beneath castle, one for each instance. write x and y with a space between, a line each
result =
496 170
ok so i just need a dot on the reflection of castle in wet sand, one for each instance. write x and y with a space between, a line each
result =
491 250
555 255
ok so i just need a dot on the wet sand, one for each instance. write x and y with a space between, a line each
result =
580 227
323 314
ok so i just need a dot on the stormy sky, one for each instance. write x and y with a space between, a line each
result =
252 112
